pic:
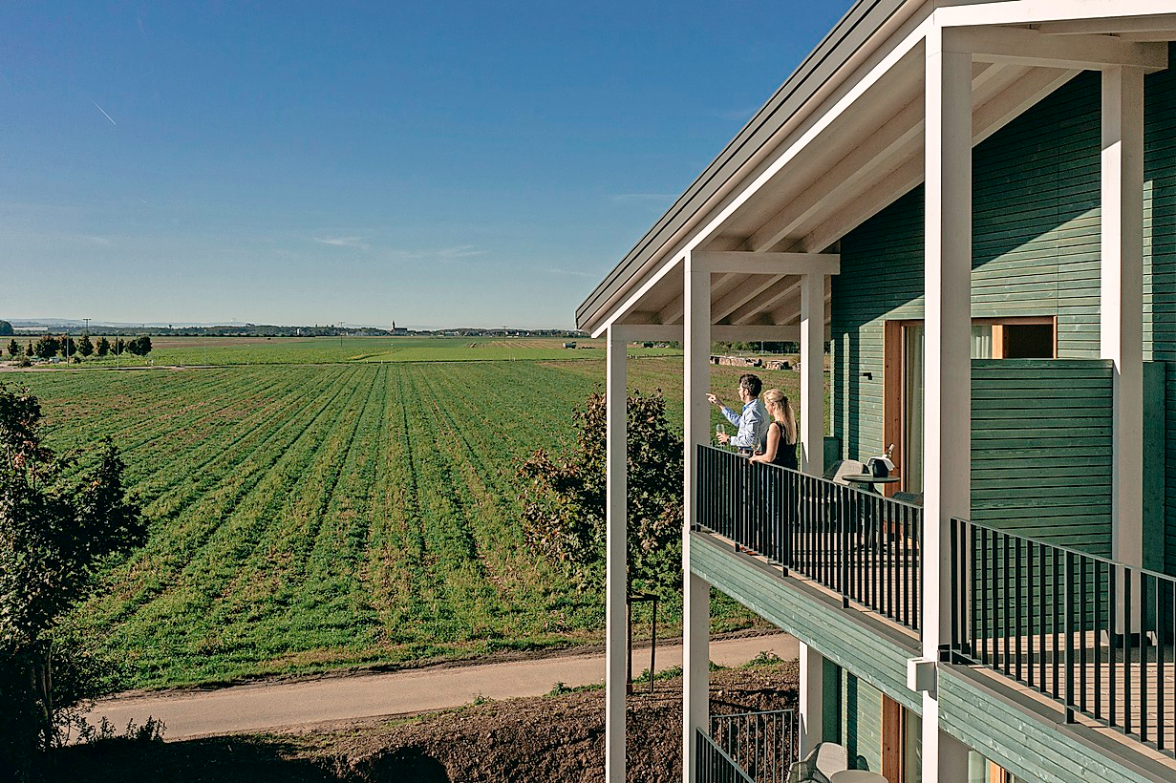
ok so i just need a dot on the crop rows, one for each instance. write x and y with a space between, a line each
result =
309 517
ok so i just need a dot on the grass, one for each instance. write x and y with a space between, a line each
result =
307 517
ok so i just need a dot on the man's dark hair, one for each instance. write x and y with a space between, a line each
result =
751 383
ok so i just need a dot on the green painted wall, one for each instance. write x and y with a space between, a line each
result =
1036 252
861 722
1041 449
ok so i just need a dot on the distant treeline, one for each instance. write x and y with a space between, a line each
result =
263 330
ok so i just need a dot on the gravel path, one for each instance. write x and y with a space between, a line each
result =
287 705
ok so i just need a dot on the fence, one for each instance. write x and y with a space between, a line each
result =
715 766
1094 634
762 744
856 542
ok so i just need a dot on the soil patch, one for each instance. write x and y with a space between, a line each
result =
542 739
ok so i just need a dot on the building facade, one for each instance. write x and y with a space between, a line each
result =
971 203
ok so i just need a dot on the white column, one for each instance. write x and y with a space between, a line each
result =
812 374
1122 300
948 386
616 556
812 698
696 609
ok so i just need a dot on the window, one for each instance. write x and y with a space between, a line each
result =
992 338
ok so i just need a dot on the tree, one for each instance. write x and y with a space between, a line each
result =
140 346
85 347
58 527
103 346
66 346
13 348
6 329
46 347
119 346
564 502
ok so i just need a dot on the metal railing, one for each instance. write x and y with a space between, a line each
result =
713 765
858 543
1094 634
762 744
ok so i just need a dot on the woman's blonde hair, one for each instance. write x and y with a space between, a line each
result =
776 397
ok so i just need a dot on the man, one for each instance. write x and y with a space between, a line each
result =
752 422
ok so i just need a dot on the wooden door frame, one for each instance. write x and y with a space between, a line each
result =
894 375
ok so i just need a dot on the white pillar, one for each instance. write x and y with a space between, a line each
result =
1122 300
812 698
616 556
948 386
696 597
812 374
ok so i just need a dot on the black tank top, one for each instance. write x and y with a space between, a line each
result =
785 451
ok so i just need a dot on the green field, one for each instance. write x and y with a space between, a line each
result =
305 517
191 351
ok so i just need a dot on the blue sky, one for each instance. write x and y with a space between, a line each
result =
440 164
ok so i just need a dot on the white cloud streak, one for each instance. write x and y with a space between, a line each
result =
104 114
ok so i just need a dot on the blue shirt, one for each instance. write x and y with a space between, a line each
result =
752 424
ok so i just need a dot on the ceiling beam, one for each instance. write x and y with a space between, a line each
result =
987 119
753 311
765 263
1128 25
746 291
1022 94
900 131
1031 47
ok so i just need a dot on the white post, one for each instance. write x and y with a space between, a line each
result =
616 555
948 386
812 698
812 374
696 597
1122 300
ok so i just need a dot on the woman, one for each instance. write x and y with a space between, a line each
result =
781 448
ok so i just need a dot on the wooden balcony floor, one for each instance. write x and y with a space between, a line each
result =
1136 691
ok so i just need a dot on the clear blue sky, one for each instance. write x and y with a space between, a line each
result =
438 163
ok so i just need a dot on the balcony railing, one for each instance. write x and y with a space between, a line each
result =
858 543
1093 634
715 766
762 744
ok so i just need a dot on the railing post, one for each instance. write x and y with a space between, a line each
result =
1068 611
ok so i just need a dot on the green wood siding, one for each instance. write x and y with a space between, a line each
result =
1170 467
853 640
1035 252
1041 450
1027 739
861 722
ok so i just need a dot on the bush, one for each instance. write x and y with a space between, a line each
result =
564 502
58 527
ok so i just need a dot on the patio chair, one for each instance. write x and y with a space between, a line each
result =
826 759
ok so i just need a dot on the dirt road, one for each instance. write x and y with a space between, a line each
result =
286 705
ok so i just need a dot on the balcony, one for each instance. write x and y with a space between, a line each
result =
1084 642
859 544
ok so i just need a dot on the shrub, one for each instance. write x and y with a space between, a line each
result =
564 502
57 527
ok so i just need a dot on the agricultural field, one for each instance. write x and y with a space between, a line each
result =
216 351
313 516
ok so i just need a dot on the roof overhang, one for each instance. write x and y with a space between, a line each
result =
844 137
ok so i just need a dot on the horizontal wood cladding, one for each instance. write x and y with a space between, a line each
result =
861 722
1026 740
1170 467
1041 450
1035 239
1159 229
814 618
